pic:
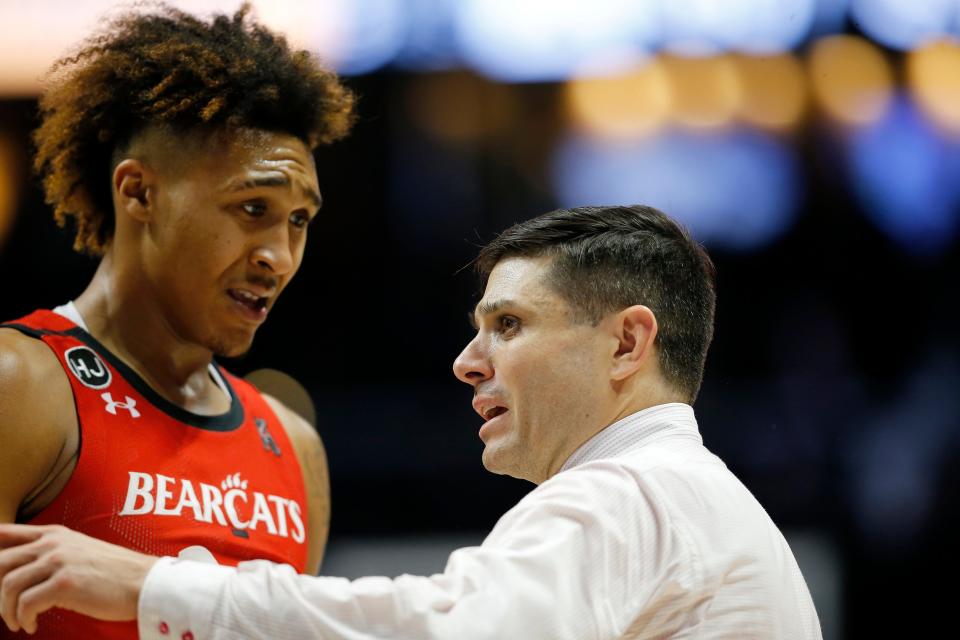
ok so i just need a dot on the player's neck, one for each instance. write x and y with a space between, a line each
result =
126 321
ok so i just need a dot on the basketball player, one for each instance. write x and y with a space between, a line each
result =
181 150
591 339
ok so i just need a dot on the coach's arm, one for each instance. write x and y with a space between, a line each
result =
551 568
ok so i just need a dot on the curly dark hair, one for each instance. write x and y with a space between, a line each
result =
609 258
171 69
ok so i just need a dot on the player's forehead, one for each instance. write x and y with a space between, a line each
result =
220 150
264 143
268 156
255 149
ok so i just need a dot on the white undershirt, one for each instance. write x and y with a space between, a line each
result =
71 313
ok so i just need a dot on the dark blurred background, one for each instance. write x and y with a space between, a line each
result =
812 145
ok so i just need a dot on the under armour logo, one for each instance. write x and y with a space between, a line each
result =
266 437
130 404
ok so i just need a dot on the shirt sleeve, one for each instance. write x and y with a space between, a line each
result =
564 563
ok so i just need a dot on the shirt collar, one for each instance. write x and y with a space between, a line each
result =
636 430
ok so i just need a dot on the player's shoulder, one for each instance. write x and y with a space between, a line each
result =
26 365
298 429
36 416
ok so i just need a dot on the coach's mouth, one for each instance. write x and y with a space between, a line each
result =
488 408
495 417
493 412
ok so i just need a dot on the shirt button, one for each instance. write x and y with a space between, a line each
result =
187 635
164 628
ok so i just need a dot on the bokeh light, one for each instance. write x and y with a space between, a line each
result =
10 164
829 17
706 91
459 106
374 32
546 40
907 178
431 43
774 90
933 76
737 190
851 79
706 27
904 24
634 103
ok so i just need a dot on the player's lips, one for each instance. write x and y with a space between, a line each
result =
252 302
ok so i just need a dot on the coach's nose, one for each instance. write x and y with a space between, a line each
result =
473 365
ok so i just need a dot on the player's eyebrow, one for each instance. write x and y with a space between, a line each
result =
277 181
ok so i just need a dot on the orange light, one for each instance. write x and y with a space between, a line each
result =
851 79
630 104
934 81
9 182
774 90
706 91
459 106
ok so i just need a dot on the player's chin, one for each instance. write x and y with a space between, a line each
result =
232 345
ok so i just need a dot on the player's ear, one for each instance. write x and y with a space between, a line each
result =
133 189
634 330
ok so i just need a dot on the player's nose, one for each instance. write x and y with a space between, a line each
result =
273 251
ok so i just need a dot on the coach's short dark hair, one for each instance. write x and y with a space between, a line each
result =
170 69
609 258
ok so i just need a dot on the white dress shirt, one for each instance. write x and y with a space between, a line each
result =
643 534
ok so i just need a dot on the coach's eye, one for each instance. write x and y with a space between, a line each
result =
508 325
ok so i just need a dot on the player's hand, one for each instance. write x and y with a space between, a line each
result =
42 567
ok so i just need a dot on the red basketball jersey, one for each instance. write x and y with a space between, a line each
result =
156 478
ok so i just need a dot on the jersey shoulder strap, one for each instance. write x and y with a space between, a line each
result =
42 322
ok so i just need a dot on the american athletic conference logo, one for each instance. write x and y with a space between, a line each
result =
87 367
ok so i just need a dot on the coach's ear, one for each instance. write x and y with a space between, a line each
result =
634 330
133 190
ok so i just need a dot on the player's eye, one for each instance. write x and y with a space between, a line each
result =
254 209
299 220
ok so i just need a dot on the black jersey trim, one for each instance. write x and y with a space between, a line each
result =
22 328
229 421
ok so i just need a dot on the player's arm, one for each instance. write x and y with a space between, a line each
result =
33 434
316 477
